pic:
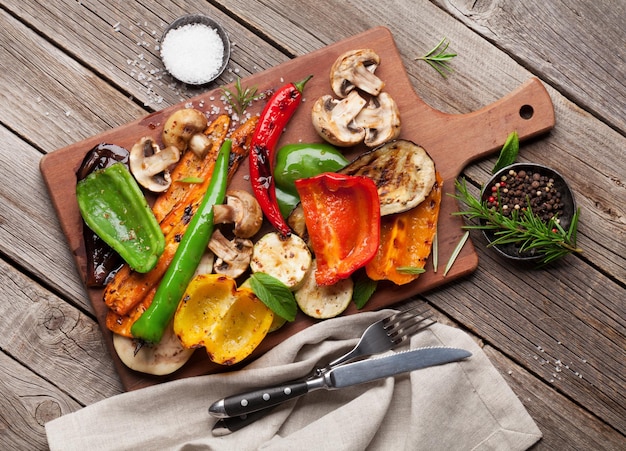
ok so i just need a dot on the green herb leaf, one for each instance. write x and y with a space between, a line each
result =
241 98
435 251
456 252
275 294
438 59
410 270
191 180
364 288
509 152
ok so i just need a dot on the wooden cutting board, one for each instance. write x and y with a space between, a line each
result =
452 140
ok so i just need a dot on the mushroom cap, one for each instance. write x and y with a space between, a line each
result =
242 210
232 257
181 125
334 119
355 69
380 119
149 164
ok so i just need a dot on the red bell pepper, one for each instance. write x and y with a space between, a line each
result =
277 112
342 215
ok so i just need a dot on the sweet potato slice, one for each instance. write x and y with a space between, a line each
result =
406 240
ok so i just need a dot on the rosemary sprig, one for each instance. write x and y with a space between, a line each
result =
438 58
241 98
524 229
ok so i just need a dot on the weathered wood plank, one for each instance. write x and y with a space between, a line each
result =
577 46
120 42
29 230
27 402
574 316
55 340
563 423
70 102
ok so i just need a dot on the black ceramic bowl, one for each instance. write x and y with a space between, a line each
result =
512 251
181 70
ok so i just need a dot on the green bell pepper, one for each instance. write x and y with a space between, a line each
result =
287 201
114 207
304 160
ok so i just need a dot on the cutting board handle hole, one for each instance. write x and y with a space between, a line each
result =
526 112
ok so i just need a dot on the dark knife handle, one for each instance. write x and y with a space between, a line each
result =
252 401
226 426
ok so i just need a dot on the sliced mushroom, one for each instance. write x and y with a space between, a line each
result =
355 69
334 119
200 144
380 119
232 257
242 210
149 164
181 125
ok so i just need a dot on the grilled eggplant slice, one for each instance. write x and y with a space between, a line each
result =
403 172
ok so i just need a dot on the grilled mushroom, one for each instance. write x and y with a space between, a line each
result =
242 210
380 119
232 257
181 126
334 119
149 164
355 69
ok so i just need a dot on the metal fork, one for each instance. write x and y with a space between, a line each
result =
385 334
381 336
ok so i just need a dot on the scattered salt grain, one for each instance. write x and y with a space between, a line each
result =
193 53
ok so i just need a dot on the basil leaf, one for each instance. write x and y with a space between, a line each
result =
509 152
364 288
275 294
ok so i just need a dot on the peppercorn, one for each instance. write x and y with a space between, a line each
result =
520 190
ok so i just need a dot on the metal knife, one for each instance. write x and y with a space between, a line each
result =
339 377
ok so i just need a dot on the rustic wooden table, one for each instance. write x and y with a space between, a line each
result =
73 69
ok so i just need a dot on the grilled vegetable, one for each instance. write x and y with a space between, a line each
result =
191 165
288 259
355 69
403 172
151 325
229 322
102 260
277 112
323 301
406 240
113 206
159 360
342 216
303 160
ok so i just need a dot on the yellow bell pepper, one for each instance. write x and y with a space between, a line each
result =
228 322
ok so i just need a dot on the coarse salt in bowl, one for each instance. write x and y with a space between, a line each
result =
195 49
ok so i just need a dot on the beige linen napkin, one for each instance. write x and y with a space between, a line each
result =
458 406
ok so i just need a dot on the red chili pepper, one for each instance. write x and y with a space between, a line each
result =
342 215
277 112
